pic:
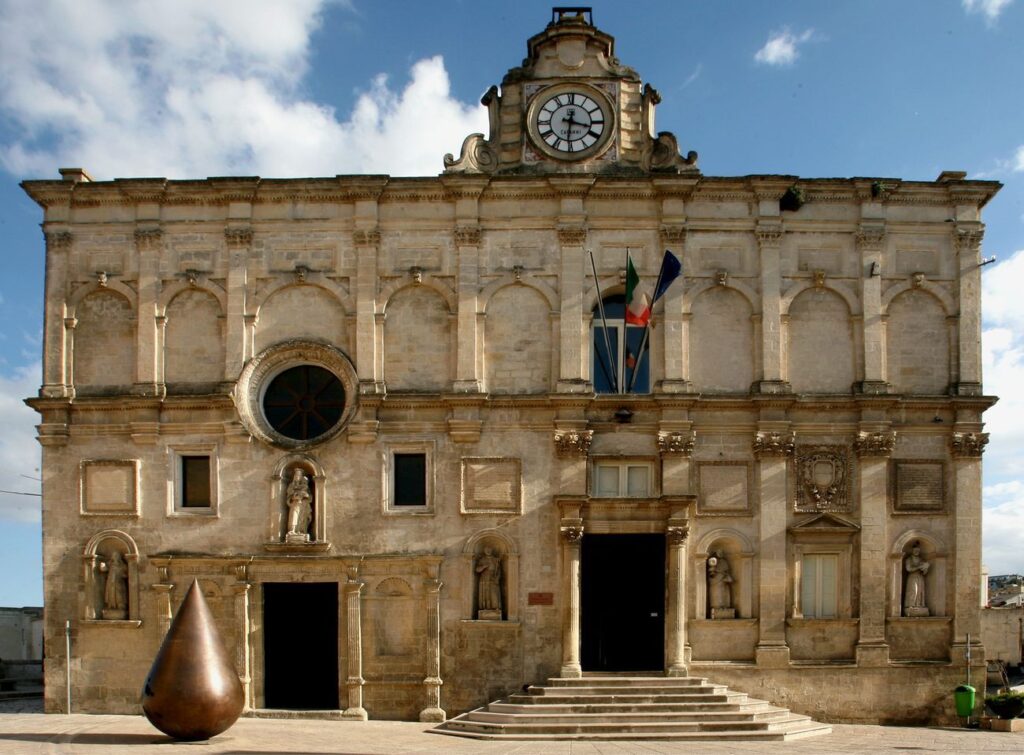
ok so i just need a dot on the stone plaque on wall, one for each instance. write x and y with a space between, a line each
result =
723 487
490 486
918 486
110 487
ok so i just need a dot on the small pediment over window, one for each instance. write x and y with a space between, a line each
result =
824 523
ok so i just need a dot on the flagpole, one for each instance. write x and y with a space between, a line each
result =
647 330
625 331
604 326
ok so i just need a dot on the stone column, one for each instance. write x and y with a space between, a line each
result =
147 246
967 239
243 665
675 657
353 592
769 241
572 537
238 240
56 381
467 240
432 683
873 449
773 449
870 240
966 448
366 243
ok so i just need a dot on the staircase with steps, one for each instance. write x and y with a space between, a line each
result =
631 708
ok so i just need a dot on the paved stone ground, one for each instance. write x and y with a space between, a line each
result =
24 729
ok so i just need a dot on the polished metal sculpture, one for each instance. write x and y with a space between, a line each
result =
192 691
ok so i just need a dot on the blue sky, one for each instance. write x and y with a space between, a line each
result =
314 87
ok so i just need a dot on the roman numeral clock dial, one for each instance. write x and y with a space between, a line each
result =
571 123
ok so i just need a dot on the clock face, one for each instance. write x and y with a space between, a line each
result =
570 123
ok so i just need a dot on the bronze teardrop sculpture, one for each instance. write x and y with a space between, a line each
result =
192 691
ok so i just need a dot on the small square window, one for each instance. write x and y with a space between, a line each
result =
622 480
195 482
410 470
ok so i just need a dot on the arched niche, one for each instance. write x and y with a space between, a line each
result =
103 344
917 343
820 343
194 338
419 340
722 342
739 553
280 479
503 548
933 550
102 551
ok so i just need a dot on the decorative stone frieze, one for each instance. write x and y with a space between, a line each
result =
676 444
573 442
365 238
237 237
969 444
467 236
572 236
773 444
823 479
874 444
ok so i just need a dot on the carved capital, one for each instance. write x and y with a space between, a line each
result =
366 238
677 534
676 444
768 236
572 534
673 234
773 444
874 444
58 241
967 239
572 236
467 236
573 443
238 237
969 445
147 238
871 237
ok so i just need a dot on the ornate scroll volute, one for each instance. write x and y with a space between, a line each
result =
874 444
773 444
476 156
572 443
676 443
968 445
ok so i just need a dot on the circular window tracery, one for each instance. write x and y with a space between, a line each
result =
297 393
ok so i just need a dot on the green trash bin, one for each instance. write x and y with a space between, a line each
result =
964 696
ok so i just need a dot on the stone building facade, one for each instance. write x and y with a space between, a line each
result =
367 414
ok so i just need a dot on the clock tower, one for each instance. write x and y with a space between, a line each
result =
571 107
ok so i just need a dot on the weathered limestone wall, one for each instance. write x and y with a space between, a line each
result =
1002 631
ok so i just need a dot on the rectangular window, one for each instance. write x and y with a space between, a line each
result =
195 482
410 479
622 480
818 583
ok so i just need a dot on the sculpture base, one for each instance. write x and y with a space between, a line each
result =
296 537
723 613
488 614
118 614
916 611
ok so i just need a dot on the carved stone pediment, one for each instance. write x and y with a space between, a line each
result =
823 478
824 524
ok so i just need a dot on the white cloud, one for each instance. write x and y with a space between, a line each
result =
781 47
989 8
196 88
1017 162
19 451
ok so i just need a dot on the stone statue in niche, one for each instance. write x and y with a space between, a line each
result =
487 568
916 567
115 588
720 587
300 510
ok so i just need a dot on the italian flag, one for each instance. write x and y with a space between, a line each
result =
638 304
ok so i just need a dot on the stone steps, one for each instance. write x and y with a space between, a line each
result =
618 707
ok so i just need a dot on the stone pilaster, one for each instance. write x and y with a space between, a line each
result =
870 242
675 332
873 448
432 683
675 446
966 449
769 241
243 661
353 627
572 539
967 240
467 376
368 366
148 244
773 449
56 381
571 369
236 347
675 661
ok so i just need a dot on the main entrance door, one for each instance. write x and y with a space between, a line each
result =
623 603
300 645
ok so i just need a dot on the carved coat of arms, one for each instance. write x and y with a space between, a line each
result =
823 478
